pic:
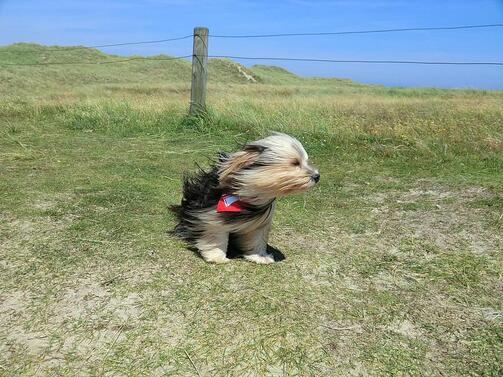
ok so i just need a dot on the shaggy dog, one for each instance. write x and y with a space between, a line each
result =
233 201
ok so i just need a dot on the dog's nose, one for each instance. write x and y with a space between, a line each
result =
316 177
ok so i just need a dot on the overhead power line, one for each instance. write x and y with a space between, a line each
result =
354 61
460 27
125 43
435 28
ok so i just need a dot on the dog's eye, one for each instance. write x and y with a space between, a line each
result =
296 163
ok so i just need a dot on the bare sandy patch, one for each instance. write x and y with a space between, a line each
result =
405 328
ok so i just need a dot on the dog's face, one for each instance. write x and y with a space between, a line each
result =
274 166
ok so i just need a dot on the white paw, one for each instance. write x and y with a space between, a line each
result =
260 258
217 260
214 256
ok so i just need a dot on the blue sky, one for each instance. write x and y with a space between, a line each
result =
90 22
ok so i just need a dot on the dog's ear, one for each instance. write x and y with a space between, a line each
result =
254 148
237 161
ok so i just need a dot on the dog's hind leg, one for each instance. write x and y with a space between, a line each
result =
254 244
213 247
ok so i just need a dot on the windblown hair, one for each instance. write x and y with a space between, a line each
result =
261 171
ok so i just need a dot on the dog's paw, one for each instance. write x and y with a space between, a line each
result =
217 256
217 260
260 258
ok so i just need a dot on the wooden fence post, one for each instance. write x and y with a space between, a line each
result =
199 71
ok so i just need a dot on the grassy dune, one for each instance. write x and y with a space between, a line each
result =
393 263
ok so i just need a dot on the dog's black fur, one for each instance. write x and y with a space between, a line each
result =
200 191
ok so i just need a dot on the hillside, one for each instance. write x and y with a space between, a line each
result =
24 77
74 69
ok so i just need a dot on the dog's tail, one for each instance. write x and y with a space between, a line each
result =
200 191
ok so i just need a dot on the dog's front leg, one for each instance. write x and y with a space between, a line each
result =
213 246
254 244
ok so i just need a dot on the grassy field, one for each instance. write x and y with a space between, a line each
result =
393 262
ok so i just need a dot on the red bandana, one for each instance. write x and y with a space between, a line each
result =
229 203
